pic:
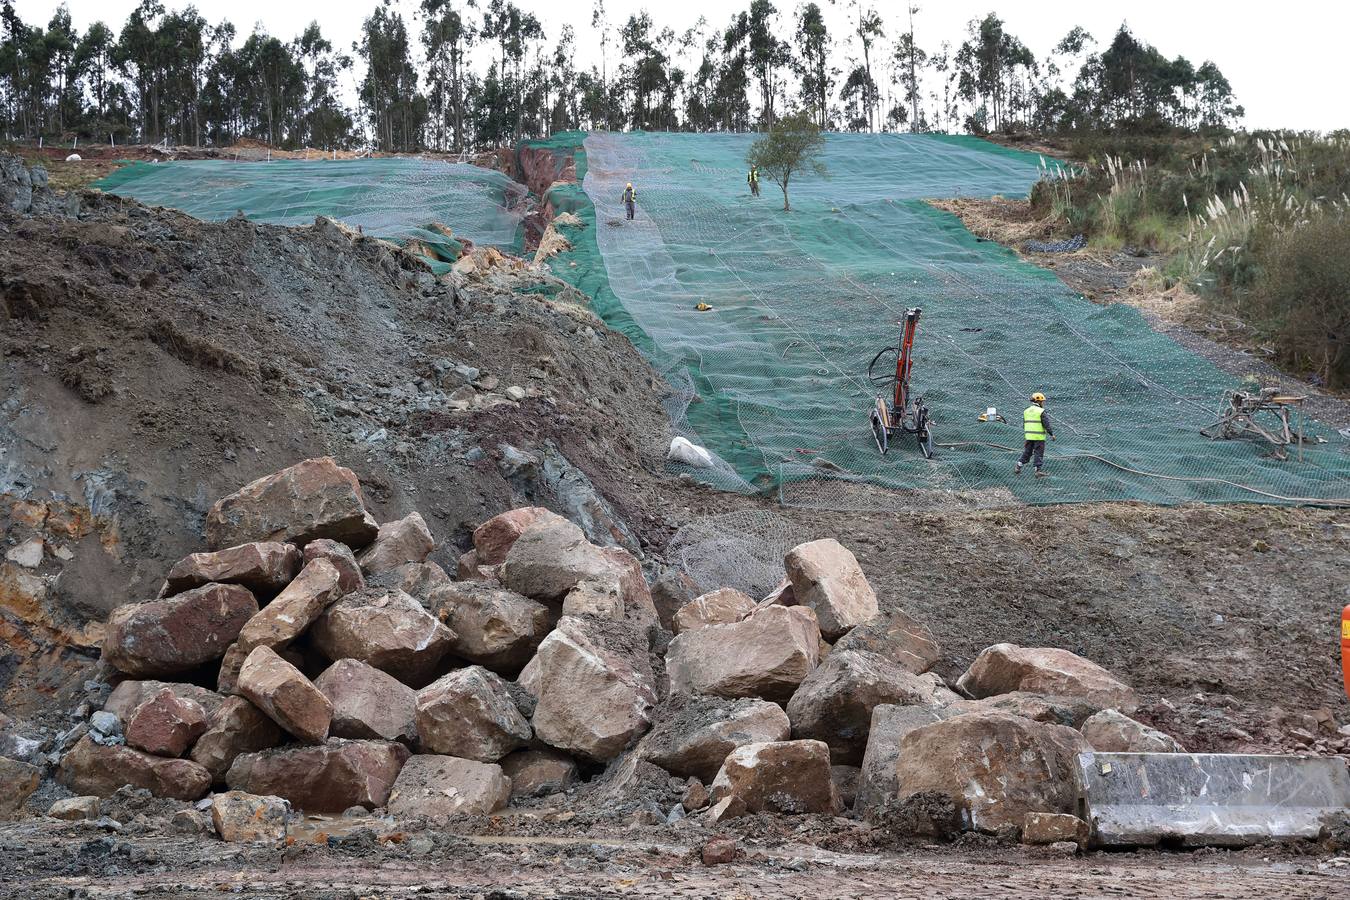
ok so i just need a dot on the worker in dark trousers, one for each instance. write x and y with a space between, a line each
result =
753 180
629 199
1035 429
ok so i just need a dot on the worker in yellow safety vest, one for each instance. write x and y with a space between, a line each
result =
629 199
753 180
1035 429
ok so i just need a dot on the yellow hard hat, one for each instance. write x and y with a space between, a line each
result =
630 184
1038 397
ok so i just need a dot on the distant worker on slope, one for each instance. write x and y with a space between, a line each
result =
630 199
1035 428
753 180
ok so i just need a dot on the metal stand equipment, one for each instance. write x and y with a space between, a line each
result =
906 414
1238 417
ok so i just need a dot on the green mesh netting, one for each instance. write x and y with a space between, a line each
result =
390 198
774 376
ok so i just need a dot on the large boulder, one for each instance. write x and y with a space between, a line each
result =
692 735
91 768
890 724
245 818
783 777
537 773
406 540
994 766
330 777
18 781
594 687
826 577
1050 709
469 713
128 695
895 636
264 568
438 787
313 499
721 607
493 627
289 616
1003 668
493 539
368 703
834 703
766 655
166 725
288 698
1110 731
177 634
236 727
552 559
386 629
342 558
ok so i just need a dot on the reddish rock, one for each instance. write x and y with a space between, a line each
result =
236 727
313 499
493 539
1110 731
721 607
324 778
1003 668
386 629
784 777
538 773
247 818
781 595
469 713
719 851
165 725
493 627
692 735
91 768
897 637
765 655
834 703
289 616
466 567
288 698
368 703
227 678
890 724
1052 710
995 767
264 568
128 695
177 634
695 795
343 559
550 557
438 787
18 782
406 540
826 577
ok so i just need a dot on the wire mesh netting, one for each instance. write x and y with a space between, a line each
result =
775 373
392 198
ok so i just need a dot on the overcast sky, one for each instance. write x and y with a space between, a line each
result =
1287 61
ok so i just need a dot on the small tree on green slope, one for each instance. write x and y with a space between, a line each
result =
790 147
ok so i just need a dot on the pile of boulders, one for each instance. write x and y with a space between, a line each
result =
350 671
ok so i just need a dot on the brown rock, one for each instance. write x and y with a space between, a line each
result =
1051 828
538 773
249 819
834 703
415 579
602 598
350 577
406 540
845 780
236 727
469 713
783 776
467 568
438 787
91 768
177 634
1052 710
128 695
781 595
672 590
695 795
74 809
729 807
264 568
165 724
386 629
1003 668
766 655
890 724
368 703
550 557
594 687
227 677
722 607
18 782
719 851
313 499
994 766
288 698
493 539
493 627
692 735
1110 731
897 637
289 616
330 777
826 577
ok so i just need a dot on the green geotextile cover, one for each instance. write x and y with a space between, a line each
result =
394 198
773 379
